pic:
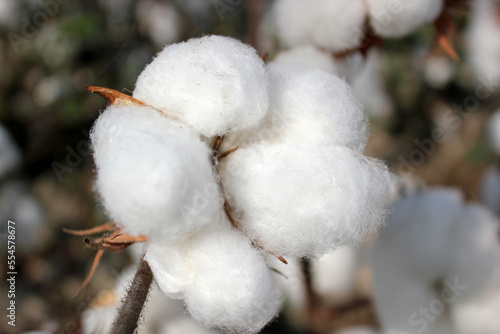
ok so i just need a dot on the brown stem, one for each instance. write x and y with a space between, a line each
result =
131 308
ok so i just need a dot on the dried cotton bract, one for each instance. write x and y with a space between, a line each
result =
213 84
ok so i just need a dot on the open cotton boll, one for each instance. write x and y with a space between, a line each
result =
439 70
153 174
159 20
311 106
303 200
483 40
493 132
214 84
10 157
309 56
223 280
399 18
433 243
490 189
369 87
333 275
336 25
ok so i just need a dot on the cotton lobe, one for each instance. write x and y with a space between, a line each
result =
213 84
153 174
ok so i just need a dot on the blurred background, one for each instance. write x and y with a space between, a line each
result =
410 86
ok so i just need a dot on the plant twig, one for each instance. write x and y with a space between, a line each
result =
131 308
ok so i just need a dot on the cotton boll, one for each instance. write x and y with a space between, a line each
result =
333 274
483 40
336 25
214 84
223 280
438 71
310 106
493 132
309 56
490 189
159 20
397 19
369 87
10 157
303 201
154 175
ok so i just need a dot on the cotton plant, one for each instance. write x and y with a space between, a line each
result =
218 161
436 256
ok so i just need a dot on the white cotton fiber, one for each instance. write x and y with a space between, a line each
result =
225 282
435 253
493 132
334 274
336 25
308 56
369 86
483 41
305 200
490 189
184 325
10 157
310 106
214 84
357 330
391 18
154 175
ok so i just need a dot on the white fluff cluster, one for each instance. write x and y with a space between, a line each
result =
493 132
301 185
490 189
223 280
436 253
391 18
213 84
153 174
336 25
483 40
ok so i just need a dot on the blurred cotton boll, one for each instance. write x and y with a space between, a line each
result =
439 70
435 253
358 330
490 189
159 20
391 18
309 56
154 175
483 40
336 25
369 87
213 84
493 132
223 280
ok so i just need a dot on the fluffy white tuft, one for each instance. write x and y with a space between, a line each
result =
483 40
336 25
153 174
309 56
303 200
223 280
214 84
391 18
